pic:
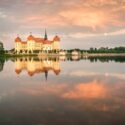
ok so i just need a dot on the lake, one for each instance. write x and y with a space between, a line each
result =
62 91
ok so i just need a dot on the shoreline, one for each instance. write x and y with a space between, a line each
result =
68 55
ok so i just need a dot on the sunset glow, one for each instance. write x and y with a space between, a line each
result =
67 18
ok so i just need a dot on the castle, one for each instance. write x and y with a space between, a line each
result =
35 44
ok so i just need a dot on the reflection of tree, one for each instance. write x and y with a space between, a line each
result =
96 58
1 48
2 61
107 59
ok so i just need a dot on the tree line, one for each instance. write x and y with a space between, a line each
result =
107 50
99 50
120 49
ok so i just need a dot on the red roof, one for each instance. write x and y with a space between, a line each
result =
18 39
23 42
39 40
47 42
56 38
30 37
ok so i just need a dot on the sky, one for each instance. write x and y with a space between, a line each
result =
79 23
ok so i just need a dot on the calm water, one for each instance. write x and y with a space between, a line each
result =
37 91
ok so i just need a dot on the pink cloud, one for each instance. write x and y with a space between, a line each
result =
96 14
37 21
39 1
95 17
87 91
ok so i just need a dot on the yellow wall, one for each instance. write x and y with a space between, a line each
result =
47 47
38 46
32 45
56 45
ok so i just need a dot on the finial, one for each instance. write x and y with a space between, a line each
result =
30 33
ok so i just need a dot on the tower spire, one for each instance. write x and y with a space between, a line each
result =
45 37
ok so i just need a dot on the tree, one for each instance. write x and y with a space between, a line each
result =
1 48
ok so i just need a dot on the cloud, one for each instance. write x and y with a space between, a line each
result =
84 18
99 15
38 21
39 1
94 15
81 35
119 32
90 90
2 15
76 18
85 73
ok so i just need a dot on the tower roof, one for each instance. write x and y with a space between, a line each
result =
18 39
56 38
30 37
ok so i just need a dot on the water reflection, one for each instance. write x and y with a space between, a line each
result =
34 65
2 61
107 59
79 95
93 58
37 65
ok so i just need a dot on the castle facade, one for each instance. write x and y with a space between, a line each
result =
33 44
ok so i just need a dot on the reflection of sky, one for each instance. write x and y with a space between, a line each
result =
81 94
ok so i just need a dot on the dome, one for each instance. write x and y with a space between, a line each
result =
56 38
18 39
30 37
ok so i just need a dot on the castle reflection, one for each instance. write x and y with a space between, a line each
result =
35 65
